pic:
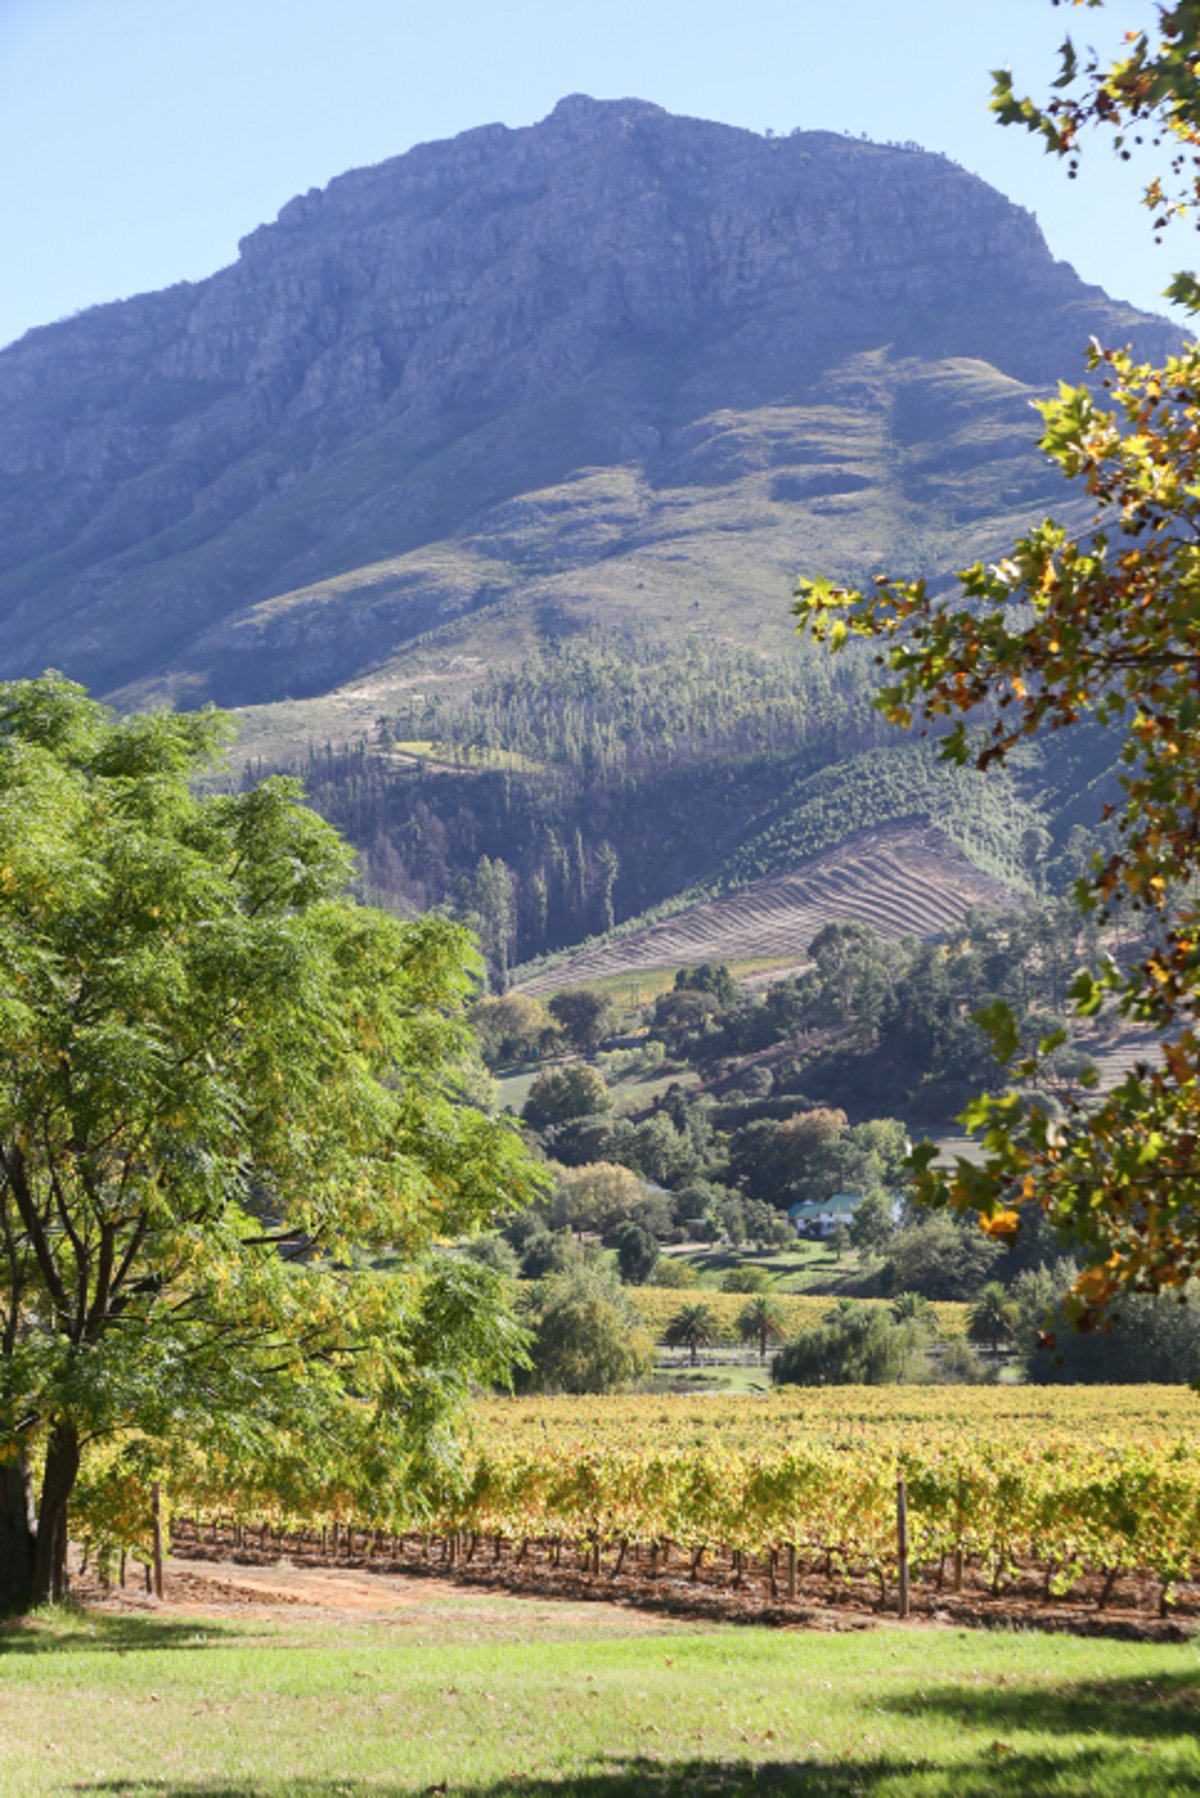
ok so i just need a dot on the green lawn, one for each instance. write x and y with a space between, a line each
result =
481 1695
723 1377
797 1268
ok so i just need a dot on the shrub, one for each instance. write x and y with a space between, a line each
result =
854 1347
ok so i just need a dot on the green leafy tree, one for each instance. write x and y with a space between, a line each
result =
637 1254
492 910
914 1307
669 1270
1106 626
588 1336
708 977
857 1345
495 1253
512 1027
225 1090
559 1095
693 1327
599 1196
872 1226
771 1160
993 1317
940 1259
761 1321
584 1015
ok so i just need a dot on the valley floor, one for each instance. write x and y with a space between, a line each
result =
256 1683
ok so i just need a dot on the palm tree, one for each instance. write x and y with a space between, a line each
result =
761 1321
915 1308
992 1316
692 1327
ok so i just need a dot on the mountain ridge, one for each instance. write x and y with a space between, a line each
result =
435 362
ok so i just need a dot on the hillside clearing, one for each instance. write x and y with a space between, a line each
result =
903 879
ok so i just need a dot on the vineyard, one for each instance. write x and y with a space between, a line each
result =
904 879
1069 1502
657 1305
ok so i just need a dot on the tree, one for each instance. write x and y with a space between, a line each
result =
693 1327
225 1090
492 910
511 1027
872 1226
669 1271
682 1013
588 1336
857 1345
844 953
761 1321
993 1316
584 1015
494 1252
637 1254
771 1159
598 1196
1058 630
914 1308
708 977
559 1095
940 1259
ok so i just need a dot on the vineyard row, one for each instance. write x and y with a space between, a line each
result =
1065 1520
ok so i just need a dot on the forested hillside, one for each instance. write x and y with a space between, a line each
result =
612 780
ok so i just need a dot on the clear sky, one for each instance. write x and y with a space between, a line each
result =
141 138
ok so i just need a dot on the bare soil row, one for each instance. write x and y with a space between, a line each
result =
723 1585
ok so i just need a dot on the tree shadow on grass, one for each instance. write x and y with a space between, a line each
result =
65 1631
1133 1710
997 1772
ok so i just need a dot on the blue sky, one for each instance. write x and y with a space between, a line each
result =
142 138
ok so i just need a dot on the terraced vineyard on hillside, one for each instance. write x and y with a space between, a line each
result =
903 879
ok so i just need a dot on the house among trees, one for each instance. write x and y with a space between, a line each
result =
820 1217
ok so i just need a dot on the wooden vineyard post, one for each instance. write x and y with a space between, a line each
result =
958 1547
902 1542
791 1570
156 1517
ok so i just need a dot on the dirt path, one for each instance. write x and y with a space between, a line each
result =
283 1589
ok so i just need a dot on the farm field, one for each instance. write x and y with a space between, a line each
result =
902 879
269 1684
1072 1508
888 1418
658 1305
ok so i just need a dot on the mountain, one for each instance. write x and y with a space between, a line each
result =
618 367
480 480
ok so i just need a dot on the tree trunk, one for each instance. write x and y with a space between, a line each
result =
58 1481
16 1535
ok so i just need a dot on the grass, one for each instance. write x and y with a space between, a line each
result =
789 1268
514 1085
477 1696
714 1377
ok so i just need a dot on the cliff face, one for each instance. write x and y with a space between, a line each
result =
511 359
